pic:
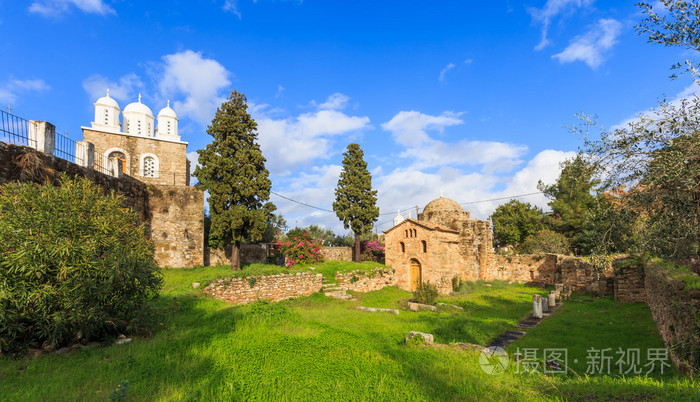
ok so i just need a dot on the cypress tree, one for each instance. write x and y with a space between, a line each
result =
355 201
232 169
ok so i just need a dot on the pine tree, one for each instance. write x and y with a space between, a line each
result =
355 201
232 169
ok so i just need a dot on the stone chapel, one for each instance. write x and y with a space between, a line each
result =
150 153
441 244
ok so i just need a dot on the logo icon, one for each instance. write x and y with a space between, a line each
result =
493 360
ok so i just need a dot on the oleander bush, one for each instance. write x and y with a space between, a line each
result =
73 264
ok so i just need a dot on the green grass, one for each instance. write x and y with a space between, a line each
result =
314 348
680 272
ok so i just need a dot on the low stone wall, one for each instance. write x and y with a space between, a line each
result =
270 287
525 268
629 285
676 311
336 253
250 254
364 281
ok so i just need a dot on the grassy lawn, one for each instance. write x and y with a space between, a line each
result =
317 348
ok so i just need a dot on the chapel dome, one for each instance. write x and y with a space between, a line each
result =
167 112
138 107
107 101
443 204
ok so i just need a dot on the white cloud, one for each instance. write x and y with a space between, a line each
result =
444 71
337 101
232 7
410 129
280 89
199 80
591 46
552 9
290 142
10 90
124 89
53 8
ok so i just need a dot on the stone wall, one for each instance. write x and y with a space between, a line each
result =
629 285
525 268
336 253
177 227
249 254
174 213
676 311
364 281
173 167
269 287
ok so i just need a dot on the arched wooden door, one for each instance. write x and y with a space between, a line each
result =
416 275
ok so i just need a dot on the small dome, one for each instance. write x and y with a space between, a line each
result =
107 101
138 107
443 204
167 112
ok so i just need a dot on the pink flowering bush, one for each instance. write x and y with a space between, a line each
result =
300 250
371 251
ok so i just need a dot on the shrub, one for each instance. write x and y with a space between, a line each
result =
546 241
456 283
426 293
72 261
300 250
371 251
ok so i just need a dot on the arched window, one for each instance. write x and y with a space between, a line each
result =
403 247
120 158
425 246
150 165
406 233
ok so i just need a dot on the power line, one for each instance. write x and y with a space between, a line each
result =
410 208
501 198
300 203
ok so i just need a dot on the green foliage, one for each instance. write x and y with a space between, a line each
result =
273 231
514 221
232 169
676 25
301 249
354 279
72 260
251 281
655 160
572 199
426 293
546 241
355 201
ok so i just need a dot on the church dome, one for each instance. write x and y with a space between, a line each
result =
167 112
138 107
443 204
107 101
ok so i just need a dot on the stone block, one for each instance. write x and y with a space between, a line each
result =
537 306
413 306
427 338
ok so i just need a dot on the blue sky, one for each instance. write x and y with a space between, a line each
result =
471 98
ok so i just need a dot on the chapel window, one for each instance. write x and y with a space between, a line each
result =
425 246
149 167
403 247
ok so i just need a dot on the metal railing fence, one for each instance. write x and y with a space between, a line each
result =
14 130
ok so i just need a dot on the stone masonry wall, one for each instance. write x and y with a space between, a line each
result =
177 227
525 268
629 285
336 253
676 311
271 287
364 281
